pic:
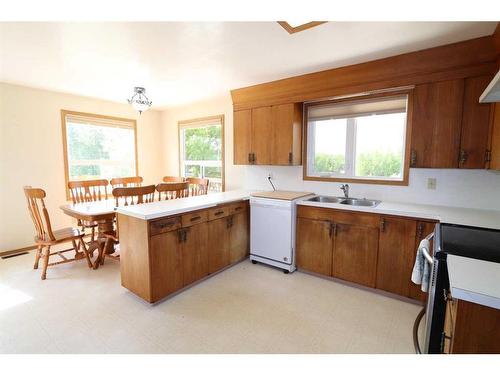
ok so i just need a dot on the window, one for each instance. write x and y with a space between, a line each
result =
201 144
98 147
361 140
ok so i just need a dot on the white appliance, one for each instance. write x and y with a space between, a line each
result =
272 228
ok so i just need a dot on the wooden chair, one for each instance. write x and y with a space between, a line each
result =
45 238
135 181
197 186
172 190
173 179
124 196
88 191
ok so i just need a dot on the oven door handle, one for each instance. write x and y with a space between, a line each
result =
427 256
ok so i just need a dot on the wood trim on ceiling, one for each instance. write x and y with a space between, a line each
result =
292 30
458 60
65 112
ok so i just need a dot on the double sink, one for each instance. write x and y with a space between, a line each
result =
347 201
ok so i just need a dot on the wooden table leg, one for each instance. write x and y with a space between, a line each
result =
105 247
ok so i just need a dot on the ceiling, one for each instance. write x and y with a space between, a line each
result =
179 63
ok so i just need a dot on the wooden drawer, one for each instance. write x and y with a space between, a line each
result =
238 207
164 225
356 218
194 218
219 212
315 213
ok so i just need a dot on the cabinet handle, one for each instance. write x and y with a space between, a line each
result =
238 208
218 213
184 237
290 158
382 225
195 218
463 156
420 230
487 156
413 158
250 158
332 231
228 223
165 225
253 158
180 235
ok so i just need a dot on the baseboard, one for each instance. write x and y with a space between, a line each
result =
15 251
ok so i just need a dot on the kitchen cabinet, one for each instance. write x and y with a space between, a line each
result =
355 253
287 134
471 328
450 128
166 264
194 253
314 244
269 135
395 254
495 139
475 124
242 137
437 121
218 248
239 236
424 228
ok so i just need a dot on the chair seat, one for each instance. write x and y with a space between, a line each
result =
60 235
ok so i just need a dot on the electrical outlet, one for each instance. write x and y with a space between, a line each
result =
431 183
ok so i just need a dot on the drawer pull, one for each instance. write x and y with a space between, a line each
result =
195 218
165 225
238 208
218 213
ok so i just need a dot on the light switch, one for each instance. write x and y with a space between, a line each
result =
431 183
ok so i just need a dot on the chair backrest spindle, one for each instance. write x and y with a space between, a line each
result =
135 181
172 190
197 186
88 191
41 220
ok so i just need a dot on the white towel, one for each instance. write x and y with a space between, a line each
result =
421 268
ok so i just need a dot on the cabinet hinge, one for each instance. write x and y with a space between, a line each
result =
413 158
487 156
290 158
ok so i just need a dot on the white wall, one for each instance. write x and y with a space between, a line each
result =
462 188
32 153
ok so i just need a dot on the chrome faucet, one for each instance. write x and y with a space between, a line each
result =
345 189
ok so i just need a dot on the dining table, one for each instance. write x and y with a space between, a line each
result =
103 213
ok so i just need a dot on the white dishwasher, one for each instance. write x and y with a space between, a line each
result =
272 228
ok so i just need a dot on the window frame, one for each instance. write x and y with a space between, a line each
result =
200 122
353 98
65 112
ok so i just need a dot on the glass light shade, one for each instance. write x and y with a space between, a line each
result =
139 100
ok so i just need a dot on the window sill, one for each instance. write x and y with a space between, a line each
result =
403 182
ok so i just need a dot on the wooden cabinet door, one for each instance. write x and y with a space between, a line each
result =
287 134
355 254
475 124
218 244
424 228
262 135
242 136
166 264
239 237
395 254
314 245
195 253
437 119
495 139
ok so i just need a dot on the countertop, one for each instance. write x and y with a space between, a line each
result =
148 211
474 280
450 215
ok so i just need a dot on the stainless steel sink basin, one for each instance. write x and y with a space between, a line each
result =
347 201
326 199
360 202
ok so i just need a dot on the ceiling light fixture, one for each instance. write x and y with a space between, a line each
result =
139 100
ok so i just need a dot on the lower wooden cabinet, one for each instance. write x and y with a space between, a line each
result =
355 253
395 253
161 256
471 328
194 253
218 248
314 244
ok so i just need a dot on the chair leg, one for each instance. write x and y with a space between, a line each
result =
92 235
38 252
84 247
45 261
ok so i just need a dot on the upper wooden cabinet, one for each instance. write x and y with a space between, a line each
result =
450 127
437 116
270 135
495 139
475 124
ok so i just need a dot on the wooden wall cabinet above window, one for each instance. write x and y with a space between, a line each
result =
270 135
450 126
